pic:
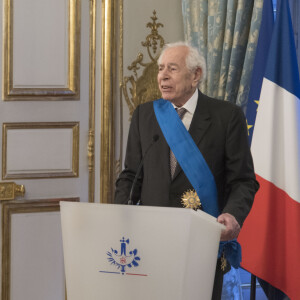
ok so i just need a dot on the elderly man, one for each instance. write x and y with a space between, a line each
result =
215 135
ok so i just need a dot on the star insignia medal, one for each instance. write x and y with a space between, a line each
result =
190 199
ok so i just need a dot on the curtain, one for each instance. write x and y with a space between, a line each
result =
226 34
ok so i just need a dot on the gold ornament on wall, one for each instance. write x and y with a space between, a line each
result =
10 190
144 88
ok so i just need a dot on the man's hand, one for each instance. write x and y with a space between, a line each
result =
232 227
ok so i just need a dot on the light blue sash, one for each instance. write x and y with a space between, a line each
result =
188 155
195 168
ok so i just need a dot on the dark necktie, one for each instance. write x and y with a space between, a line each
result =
173 162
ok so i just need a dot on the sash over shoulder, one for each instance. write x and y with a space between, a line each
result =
195 168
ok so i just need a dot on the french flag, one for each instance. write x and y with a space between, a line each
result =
270 237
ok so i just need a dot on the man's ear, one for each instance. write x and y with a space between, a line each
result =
197 76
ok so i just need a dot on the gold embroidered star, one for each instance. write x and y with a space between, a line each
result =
249 126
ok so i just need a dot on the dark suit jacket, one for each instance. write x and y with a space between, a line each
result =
219 129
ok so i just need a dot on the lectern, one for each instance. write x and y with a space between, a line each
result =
120 252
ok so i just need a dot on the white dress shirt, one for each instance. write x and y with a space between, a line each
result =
190 107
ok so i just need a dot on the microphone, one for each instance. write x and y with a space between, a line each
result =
155 138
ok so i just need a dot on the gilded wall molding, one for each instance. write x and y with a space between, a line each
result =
92 75
108 67
144 88
29 93
118 162
74 172
20 207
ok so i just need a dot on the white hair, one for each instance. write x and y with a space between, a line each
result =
194 59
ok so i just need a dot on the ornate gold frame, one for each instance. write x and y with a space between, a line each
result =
19 207
43 125
72 90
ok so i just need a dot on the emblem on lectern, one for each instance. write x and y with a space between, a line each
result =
123 258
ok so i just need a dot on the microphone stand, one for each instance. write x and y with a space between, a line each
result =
155 138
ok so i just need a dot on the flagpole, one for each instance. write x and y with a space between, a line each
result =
262 52
253 287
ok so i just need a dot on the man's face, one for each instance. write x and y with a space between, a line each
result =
176 83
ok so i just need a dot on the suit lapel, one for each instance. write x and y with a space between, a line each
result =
201 120
199 125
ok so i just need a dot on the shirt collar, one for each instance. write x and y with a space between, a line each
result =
191 104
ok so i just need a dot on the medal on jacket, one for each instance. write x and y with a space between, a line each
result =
223 262
190 199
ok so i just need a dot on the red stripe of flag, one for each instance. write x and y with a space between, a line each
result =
271 243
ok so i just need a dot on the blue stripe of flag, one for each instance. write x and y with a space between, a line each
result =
263 43
282 67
